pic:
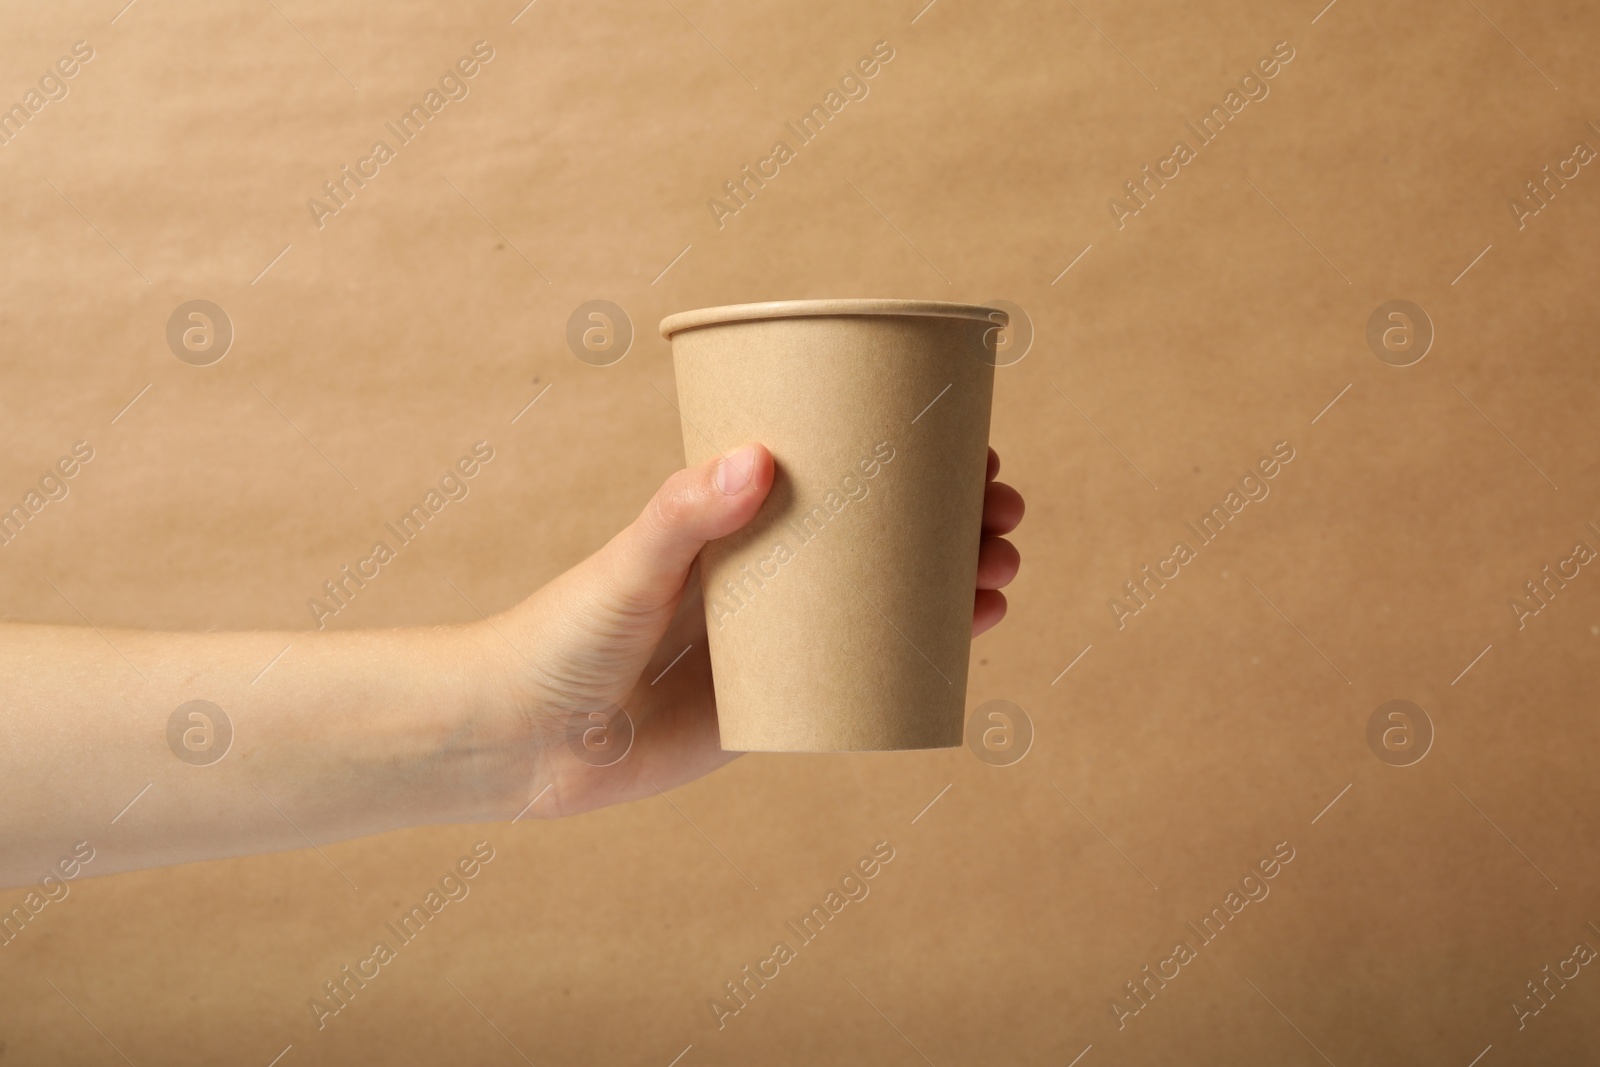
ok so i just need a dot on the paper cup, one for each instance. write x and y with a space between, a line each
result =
840 618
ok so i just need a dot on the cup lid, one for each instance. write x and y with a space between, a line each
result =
797 309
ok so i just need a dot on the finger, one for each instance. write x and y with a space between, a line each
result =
994 465
998 562
1002 508
650 559
988 608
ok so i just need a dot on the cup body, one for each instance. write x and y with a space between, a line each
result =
840 618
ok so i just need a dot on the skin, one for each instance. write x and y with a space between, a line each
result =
359 732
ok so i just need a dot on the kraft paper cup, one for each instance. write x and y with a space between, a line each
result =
840 618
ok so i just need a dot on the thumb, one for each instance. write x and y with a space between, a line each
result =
650 559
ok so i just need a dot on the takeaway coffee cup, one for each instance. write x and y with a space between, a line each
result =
840 618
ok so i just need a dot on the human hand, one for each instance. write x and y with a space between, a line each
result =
625 629
355 732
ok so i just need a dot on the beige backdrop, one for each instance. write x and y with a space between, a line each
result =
1179 348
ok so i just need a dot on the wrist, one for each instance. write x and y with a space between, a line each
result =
487 751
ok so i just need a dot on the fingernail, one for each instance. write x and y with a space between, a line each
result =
733 473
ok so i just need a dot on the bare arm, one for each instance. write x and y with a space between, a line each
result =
354 733
346 734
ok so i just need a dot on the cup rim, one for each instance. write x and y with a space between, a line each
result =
827 308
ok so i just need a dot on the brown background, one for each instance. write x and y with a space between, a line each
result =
1215 324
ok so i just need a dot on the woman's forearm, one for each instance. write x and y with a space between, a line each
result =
594 690
344 734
